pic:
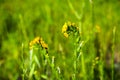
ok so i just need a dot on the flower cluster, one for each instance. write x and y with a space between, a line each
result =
39 41
69 28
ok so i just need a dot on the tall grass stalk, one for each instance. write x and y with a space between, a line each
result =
22 61
113 51
92 12
78 49
83 61
101 65
30 57
74 11
22 27
75 63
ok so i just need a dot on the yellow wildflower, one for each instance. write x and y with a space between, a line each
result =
73 24
31 43
44 45
69 28
65 27
65 34
38 40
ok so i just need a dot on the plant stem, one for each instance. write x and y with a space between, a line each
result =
92 12
113 48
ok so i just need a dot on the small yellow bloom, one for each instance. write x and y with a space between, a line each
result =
73 24
44 45
38 40
64 28
69 28
31 43
65 34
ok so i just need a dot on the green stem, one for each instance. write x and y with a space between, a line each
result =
92 13
22 58
31 53
83 66
101 66
75 63
113 48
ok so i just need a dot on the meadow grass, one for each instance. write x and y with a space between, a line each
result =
59 40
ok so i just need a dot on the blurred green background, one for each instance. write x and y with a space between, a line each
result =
22 20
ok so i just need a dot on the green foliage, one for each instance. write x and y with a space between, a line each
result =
91 54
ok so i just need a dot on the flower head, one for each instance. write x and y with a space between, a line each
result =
39 41
69 28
